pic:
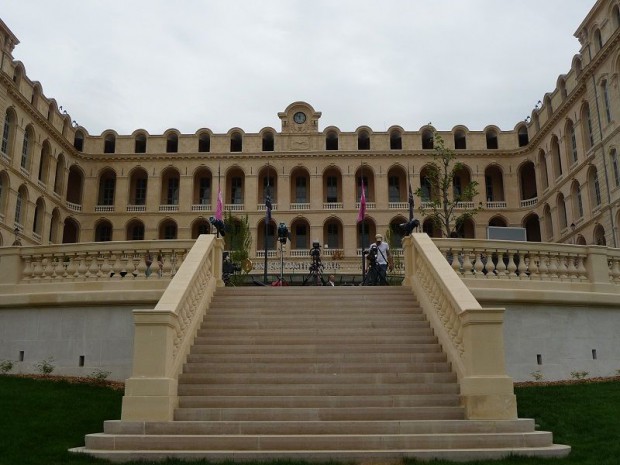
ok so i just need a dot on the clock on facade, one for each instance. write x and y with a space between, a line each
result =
299 117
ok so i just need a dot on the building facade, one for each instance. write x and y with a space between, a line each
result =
556 174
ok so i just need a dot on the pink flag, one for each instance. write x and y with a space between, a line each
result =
219 206
362 212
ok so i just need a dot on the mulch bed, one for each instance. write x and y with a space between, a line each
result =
566 382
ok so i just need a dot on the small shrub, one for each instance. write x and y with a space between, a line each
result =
45 367
578 374
99 375
537 375
6 366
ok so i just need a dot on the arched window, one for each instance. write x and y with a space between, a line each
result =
107 186
563 218
586 123
331 141
396 141
491 136
595 188
44 162
268 143
571 142
427 140
27 148
598 39
363 141
135 230
605 92
542 162
616 16
20 206
109 144
577 200
172 143
140 144
39 214
103 231
8 131
562 86
204 143
599 235
236 142
4 185
78 141
460 141
168 230
523 136
548 222
556 157
616 168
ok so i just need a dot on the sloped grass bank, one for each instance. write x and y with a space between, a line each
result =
41 419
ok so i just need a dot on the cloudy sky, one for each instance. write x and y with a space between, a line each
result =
220 64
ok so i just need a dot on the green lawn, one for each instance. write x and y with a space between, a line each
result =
41 419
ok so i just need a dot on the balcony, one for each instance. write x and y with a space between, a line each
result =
74 207
261 207
234 207
529 202
398 205
465 205
203 207
369 205
300 206
104 208
332 205
168 208
136 208
496 204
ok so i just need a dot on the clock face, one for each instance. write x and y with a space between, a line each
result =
299 117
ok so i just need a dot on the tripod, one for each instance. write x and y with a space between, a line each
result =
315 276
375 276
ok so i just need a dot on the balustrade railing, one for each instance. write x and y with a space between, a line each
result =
529 202
104 208
169 208
136 208
332 205
496 204
76 207
202 207
234 207
300 206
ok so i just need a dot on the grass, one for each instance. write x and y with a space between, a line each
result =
41 419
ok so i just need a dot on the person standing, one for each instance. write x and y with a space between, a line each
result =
331 281
383 255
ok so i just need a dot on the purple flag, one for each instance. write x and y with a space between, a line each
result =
219 208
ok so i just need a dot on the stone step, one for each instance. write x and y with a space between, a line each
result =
316 378
318 442
328 368
242 322
321 427
312 331
318 339
208 348
202 389
447 453
429 357
435 400
342 309
315 414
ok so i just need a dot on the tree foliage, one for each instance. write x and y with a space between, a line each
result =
441 202
238 239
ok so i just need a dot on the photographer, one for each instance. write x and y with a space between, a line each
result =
377 261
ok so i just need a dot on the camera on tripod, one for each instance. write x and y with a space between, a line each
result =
229 268
283 233
371 254
315 253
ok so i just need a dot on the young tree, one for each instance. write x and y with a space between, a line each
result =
441 202
238 239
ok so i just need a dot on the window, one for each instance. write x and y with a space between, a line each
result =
427 139
456 187
523 136
460 142
393 189
140 191
172 194
396 141
492 140
616 168
268 186
332 189
488 181
236 142
26 151
332 236
140 143
204 191
363 141
301 190
597 190
204 143
109 144
170 231
236 192
137 232
172 143
605 90
573 142
268 144
598 38
587 126
19 204
107 191
426 189
301 237
579 201
6 131
331 141
358 191
103 232
78 141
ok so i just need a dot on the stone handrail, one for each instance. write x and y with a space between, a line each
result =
93 262
164 335
563 266
471 336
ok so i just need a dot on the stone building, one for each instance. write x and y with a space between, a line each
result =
556 174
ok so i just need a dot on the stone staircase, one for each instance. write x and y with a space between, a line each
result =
344 373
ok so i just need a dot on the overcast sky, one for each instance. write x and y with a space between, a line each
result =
219 64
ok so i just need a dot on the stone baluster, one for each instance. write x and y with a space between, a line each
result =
456 265
467 265
93 266
50 269
167 268
27 272
490 266
571 269
105 269
37 272
543 266
522 267
130 267
532 265
512 267
478 265
615 270
60 270
501 266
72 267
118 266
553 267
581 267
563 265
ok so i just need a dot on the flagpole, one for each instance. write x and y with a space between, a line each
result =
363 221
267 219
